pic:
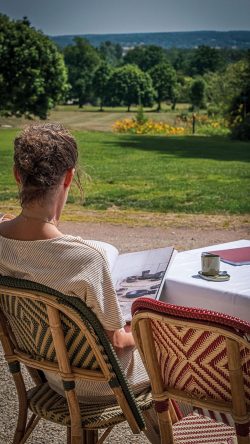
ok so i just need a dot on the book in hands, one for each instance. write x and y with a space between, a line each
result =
234 256
138 274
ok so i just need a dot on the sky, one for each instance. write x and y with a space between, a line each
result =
61 17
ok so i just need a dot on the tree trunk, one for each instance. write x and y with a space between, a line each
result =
173 105
159 106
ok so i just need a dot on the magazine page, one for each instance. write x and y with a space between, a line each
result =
111 251
140 274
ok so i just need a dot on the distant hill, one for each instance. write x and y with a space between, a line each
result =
192 39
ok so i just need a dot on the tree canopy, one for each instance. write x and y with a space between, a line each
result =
197 93
146 57
205 59
100 82
164 82
111 52
33 77
129 85
82 60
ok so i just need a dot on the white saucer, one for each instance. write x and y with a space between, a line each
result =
222 276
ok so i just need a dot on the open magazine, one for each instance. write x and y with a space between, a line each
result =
138 274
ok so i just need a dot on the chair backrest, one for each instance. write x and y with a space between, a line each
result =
47 330
195 356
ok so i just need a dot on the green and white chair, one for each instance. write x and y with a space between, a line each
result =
49 331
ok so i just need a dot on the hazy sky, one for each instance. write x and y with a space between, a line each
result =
57 17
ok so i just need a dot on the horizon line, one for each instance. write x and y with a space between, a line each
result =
148 32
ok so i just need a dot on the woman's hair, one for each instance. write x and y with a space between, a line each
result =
42 154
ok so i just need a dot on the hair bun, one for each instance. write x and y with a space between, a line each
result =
42 154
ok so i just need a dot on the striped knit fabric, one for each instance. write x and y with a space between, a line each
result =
74 267
197 429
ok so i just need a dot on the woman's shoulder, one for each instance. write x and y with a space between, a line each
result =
4 225
88 247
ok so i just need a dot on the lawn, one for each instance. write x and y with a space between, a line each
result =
186 174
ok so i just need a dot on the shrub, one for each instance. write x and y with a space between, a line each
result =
140 117
214 111
241 130
197 94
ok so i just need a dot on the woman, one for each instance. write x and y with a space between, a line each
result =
32 247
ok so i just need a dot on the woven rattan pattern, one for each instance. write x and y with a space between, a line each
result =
93 324
194 429
196 361
29 320
48 404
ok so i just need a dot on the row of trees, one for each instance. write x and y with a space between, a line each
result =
35 75
145 75
92 78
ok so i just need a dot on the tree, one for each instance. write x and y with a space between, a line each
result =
33 77
164 82
129 85
134 56
111 52
239 109
197 93
183 88
205 59
215 87
146 57
176 94
100 82
177 57
81 59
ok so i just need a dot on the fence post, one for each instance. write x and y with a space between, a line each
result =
193 124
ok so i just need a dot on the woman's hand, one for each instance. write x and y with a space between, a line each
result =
121 338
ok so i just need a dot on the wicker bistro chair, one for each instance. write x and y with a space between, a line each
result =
46 330
197 357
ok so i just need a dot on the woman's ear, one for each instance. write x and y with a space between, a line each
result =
16 175
69 177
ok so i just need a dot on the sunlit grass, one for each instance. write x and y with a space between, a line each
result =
146 173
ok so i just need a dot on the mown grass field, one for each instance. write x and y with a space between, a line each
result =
91 119
181 174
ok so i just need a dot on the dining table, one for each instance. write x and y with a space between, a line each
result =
184 286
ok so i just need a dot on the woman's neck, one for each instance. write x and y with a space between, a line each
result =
30 215
36 222
49 210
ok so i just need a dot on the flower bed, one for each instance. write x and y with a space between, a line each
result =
149 127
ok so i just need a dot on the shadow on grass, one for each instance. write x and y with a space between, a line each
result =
197 147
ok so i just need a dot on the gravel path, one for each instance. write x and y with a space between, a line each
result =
125 238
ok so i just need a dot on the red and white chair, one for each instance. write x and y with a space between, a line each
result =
198 357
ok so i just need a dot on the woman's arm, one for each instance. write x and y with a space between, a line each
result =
121 338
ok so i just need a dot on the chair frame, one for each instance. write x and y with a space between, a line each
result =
75 309
232 329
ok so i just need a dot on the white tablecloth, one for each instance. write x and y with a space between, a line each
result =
184 286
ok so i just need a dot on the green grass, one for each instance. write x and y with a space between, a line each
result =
186 174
